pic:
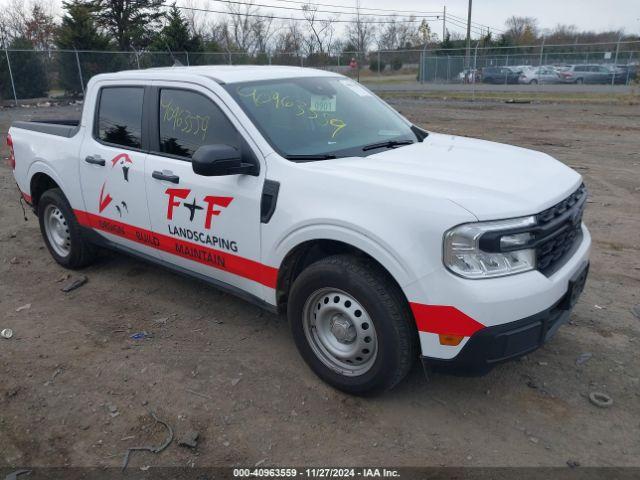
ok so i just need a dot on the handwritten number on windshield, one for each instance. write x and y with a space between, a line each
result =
277 101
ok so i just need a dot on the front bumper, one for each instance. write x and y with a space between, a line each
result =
445 304
492 345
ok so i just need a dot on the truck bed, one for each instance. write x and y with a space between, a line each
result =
62 127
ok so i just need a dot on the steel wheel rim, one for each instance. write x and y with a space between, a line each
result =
57 230
340 332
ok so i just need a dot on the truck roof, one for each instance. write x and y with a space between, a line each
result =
223 73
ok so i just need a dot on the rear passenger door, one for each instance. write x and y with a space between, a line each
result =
548 75
205 224
113 165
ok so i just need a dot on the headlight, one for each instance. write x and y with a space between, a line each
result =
464 257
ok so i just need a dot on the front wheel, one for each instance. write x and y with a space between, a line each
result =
352 324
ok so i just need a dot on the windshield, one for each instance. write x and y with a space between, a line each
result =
323 117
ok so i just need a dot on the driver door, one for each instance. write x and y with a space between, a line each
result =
204 224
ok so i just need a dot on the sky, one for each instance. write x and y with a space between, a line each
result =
585 14
595 15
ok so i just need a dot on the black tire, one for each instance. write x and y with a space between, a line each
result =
579 81
81 251
533 82
395 330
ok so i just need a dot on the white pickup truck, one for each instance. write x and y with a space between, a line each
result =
302 191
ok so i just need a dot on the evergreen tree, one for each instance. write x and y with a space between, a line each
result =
28 71
175 35
131 23
78 31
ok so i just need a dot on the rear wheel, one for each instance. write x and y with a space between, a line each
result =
352 325
61 232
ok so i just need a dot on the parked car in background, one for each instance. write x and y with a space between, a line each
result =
469 75
624 74
498 75
520 68
586 74
540 75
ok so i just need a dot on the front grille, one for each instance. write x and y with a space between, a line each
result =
560 231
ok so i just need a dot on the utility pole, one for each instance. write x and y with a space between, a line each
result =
444 23
469 35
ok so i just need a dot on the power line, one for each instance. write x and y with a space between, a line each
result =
463 26
475 23
406 12
431 17
275 17
479 25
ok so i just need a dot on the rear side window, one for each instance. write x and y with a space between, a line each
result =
189 120
120 116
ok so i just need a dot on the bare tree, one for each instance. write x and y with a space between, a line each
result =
199 24
40 28
521 30
289 39
387 38
248 30
263 30
398 33
360 33
321 30
240 34
13 19
34 24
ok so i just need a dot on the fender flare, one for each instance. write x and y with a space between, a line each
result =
41 167
370 244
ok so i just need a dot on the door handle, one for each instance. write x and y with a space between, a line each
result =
166 176
95 160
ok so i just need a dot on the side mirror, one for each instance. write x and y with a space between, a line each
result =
218 160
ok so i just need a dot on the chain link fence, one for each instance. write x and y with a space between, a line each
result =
454 66
37 74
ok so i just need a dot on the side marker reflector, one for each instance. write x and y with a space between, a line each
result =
450 340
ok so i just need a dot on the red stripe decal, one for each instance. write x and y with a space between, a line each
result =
440 319
228 262
443 319
104 201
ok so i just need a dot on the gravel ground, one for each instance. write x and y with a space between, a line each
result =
75 389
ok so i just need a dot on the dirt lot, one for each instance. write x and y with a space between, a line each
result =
75 388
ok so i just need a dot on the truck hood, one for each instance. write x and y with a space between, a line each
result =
490 180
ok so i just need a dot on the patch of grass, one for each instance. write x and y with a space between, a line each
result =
398 78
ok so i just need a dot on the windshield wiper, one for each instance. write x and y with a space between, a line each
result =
387 144
309 157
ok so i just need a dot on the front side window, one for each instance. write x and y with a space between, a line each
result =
318 116
120 116
189 120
